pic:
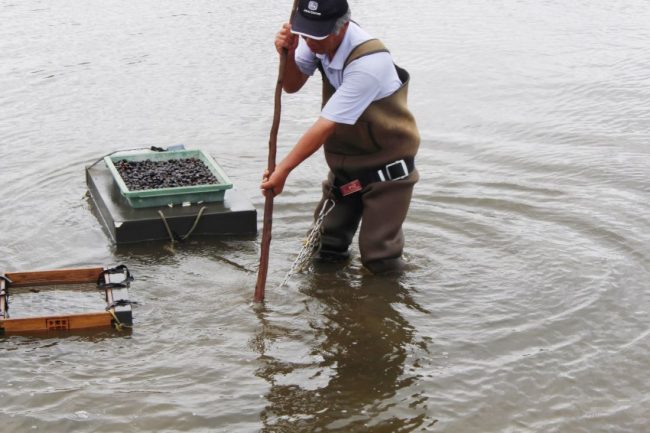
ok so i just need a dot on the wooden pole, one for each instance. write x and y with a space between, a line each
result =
268 194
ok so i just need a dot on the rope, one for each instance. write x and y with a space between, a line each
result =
169 231
121 303
196 222
121 269
173 238
310 244
118 325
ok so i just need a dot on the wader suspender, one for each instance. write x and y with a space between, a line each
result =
394 170
371 46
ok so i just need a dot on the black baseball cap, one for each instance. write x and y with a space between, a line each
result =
315 19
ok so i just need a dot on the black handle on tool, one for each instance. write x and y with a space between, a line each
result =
268 194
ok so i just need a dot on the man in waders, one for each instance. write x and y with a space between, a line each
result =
369 136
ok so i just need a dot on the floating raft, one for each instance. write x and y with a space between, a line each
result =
232 215
112 284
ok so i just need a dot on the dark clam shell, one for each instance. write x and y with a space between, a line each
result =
171 173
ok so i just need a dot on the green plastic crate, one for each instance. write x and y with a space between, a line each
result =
170 196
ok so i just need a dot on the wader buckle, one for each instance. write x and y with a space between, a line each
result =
393 171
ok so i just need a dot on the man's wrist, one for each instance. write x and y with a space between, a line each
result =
283 168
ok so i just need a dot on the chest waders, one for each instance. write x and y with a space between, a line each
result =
372 174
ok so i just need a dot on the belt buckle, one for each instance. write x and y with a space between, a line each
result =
399 163
350 187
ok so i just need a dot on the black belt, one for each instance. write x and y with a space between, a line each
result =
392 171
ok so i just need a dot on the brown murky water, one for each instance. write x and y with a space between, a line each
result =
527 307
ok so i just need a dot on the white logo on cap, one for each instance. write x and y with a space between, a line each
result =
312 5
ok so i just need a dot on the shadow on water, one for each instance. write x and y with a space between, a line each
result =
57 337
234 251
358 351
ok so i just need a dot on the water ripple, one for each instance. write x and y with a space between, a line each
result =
525 308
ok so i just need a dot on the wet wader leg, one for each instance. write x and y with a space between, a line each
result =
339 225
381 240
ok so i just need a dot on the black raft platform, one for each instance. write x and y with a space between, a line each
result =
125 224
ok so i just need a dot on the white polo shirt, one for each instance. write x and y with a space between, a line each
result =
365 80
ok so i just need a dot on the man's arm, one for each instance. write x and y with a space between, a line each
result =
309 143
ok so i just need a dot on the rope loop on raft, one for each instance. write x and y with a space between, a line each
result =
173 237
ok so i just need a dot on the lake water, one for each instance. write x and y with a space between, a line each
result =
528 306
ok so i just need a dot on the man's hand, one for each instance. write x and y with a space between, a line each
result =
285 39
275 182
293 79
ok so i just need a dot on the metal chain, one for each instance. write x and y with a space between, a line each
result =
310 244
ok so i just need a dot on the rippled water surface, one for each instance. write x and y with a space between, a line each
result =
527 309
